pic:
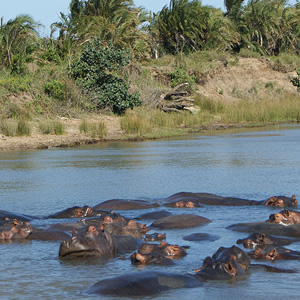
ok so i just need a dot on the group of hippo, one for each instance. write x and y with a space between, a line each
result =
100 231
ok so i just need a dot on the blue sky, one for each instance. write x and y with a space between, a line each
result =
47 12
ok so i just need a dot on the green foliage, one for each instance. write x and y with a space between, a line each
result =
51 56
180 76
7 127
296 80
58 128
55 89
97 73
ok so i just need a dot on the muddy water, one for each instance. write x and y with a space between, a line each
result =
253 164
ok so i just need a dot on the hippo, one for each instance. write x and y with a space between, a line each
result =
143 284
267 228
154 215
168 250
155 237
226 263
7 215
131 228
255 240
152 258
15 229
48 235
285 217
180 221
73 212
92 241
282 201
209 199
184 204
274 253
123 204
196 237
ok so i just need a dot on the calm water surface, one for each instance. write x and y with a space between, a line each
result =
252 164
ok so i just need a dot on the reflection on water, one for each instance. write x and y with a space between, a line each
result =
252 164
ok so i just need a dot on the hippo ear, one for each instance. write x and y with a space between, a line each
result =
162 244
102 227
93 229
261 237
286 212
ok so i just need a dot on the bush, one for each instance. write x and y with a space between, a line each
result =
296 80
55 89
96 73
180 76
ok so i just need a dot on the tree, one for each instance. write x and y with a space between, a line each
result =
17 36
97 73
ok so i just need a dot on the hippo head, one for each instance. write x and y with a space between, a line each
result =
87 241
253 240
278 218
268 253
282 201
172 251
220 270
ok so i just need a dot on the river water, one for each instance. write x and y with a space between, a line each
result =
246 163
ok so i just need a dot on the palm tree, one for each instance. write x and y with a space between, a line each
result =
16 36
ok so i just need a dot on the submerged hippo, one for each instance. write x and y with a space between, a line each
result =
267 228
261 239
168 250
197 237
123 204
274 253
285 217
180 221
142 284
282 201
15 229
184 204
91 241
154 215
152 258
7 215
155 237
226 263
73 212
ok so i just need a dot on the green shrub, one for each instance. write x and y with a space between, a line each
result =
46 127
97 71
180 76
98 130
51 55
55 89
296 80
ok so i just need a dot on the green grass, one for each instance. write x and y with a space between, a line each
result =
23 128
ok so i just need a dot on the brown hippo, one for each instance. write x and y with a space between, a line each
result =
48 235
154 215
282 201
184 204
123 204
7 215
15 229
274 253
152 258
226 263
285 217
91 241
180 221
155 237
260 239
73 212
168 250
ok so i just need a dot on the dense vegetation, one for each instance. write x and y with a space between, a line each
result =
97 55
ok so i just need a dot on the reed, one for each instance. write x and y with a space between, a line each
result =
98 129
45 127
7 127
281 109
23 128
58 128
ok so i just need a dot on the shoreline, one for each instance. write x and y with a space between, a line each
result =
73 139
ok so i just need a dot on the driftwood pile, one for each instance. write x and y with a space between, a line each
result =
177 100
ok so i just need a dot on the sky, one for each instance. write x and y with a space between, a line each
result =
47 12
